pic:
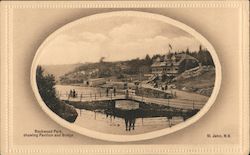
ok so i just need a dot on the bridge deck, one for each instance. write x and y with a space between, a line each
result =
177 103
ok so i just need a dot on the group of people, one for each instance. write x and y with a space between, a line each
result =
72 93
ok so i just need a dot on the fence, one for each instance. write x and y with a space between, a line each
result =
89 96
98 96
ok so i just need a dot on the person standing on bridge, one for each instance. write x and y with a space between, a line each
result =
126 94
107 92
114 91
70 93
74 93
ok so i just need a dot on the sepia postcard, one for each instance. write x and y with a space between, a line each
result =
124 77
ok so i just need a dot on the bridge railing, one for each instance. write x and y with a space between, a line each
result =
89 96
98 96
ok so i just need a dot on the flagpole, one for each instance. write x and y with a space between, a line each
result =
170 47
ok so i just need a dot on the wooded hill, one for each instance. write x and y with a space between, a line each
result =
121 69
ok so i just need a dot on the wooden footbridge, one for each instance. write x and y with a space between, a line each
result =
101 96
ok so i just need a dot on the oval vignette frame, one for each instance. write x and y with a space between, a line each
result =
137 137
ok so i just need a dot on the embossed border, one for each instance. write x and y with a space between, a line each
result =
7 146
142 136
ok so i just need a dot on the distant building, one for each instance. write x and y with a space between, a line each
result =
95 82
174 65
122 66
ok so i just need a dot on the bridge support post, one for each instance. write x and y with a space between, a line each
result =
68 96
169 122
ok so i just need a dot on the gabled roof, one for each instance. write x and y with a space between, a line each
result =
186 56
183 57
179 58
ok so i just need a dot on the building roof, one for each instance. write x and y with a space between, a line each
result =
158 64
184 57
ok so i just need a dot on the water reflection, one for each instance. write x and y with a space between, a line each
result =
123 122
130 118
128 110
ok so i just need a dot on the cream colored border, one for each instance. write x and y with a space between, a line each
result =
125 138
6 140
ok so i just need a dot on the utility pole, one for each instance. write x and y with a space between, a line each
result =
141 86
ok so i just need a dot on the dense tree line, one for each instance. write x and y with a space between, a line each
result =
202 55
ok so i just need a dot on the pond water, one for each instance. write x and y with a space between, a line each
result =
101 122
126 105
128 124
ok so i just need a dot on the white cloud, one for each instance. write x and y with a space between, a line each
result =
130 32
65 51
182 43
91 37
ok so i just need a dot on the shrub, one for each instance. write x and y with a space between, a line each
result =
45 84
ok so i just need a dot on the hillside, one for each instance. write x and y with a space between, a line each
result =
59 70
199 80
122 70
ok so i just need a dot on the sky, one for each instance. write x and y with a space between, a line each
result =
115 38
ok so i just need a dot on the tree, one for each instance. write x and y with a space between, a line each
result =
46 88
147 61
204 56
46 84
156 56
102 59
200 47
147 58
187 51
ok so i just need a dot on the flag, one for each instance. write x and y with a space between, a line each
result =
170 47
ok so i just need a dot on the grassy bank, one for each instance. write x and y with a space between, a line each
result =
148 92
